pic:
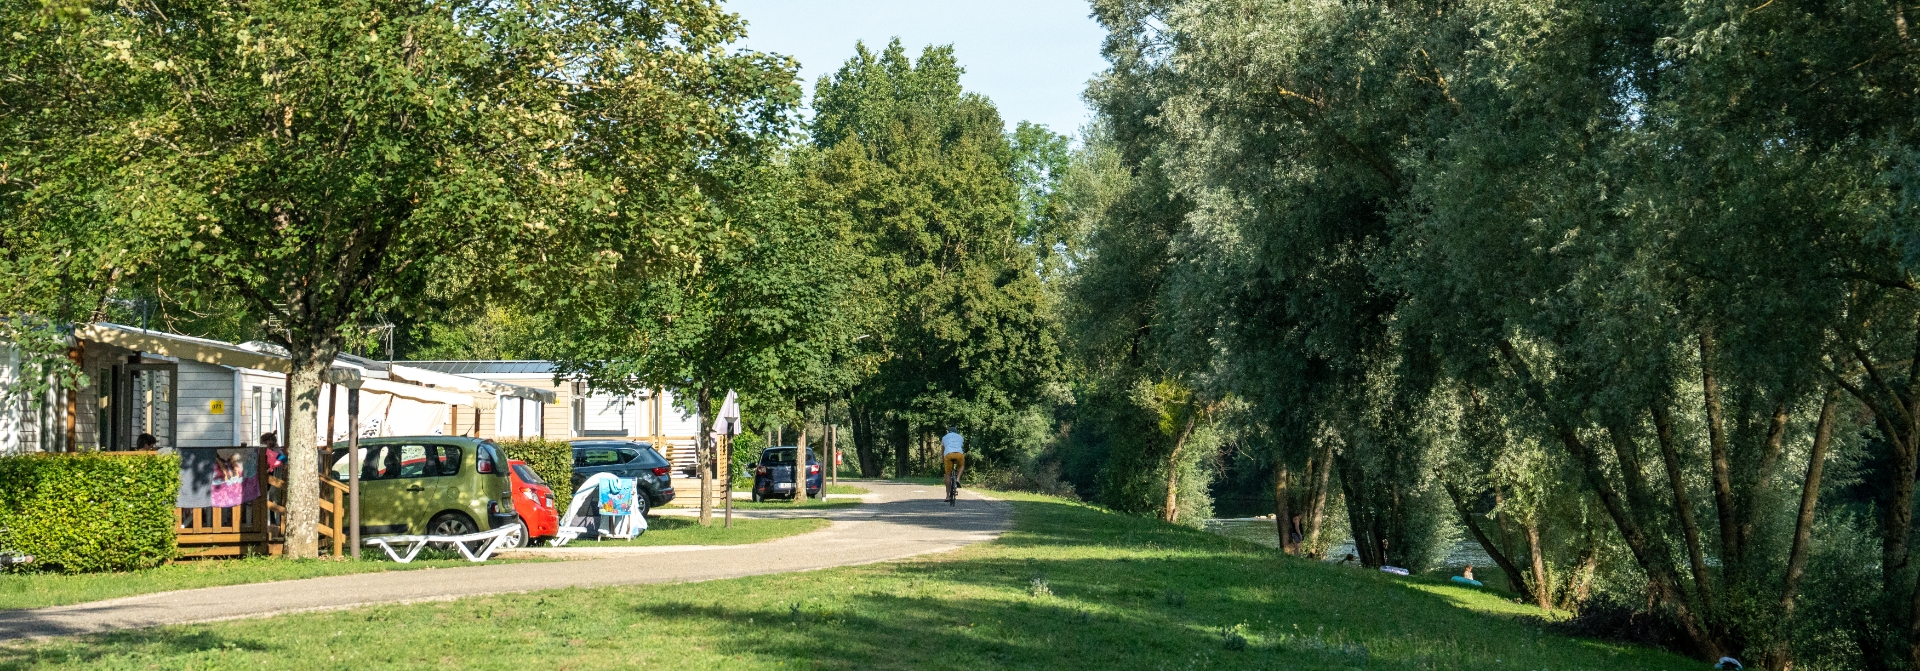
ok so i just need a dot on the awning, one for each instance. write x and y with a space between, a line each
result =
203 350
415 392
468 384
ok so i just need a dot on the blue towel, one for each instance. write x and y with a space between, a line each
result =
616 497
1466 581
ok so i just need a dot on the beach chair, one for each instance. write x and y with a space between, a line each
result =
583 516
490 542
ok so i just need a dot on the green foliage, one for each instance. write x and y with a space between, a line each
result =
39 350
1531 256
79 513
317 165
552 460
953 321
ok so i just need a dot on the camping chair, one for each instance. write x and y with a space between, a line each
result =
493 540
579 522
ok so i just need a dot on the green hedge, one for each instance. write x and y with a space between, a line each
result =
551 459
78 513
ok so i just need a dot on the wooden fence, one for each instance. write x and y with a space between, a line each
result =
257 527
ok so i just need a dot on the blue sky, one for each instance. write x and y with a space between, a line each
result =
1032 57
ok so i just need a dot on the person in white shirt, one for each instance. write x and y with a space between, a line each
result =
953 455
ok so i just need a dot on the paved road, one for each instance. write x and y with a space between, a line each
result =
901 520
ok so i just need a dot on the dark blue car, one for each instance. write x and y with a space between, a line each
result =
773 474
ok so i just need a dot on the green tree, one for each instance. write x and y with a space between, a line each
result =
324 162
954 326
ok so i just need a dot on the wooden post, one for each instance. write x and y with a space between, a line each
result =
727 485
520 423
353 470
77 354
476 420
333 413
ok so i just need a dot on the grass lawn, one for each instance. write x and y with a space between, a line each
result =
687 531
1071 587
35 590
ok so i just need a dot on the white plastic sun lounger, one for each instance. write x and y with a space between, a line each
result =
494 539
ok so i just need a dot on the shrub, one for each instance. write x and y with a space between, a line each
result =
1037 478
552 460
78 513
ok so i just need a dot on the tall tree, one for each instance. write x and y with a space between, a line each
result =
322 162
957 328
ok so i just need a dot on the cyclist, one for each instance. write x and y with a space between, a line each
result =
954 458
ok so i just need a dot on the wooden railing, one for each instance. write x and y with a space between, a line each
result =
257 527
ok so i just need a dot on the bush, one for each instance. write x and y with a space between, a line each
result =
1038 479
552 460
78 513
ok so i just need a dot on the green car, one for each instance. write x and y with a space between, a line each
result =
440 485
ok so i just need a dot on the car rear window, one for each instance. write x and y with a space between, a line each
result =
527 475
651 458
781 457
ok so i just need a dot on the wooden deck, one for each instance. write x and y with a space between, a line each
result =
257 527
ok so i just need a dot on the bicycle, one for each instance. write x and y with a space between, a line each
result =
953 484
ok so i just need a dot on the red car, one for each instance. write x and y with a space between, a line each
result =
533 500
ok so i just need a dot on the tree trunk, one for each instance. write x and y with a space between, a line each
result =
800 457
866 445
1366 543
302 528
902 464
1898 417
1803 527
1717 444
704 453
1317 502
1659 572
1514 578
1683 507
1282 513
1541 590
1762 476
1172 509
1582 577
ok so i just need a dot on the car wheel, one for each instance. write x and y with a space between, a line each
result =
641 506
519 539
450 524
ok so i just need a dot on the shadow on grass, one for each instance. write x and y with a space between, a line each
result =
20 656
1075 588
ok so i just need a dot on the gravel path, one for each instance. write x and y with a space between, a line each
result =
899 520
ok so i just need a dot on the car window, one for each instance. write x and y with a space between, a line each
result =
527 475
413 460
377 462
628 454
597 456
443 460
777 457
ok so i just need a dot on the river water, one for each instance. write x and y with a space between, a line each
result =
1261 530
